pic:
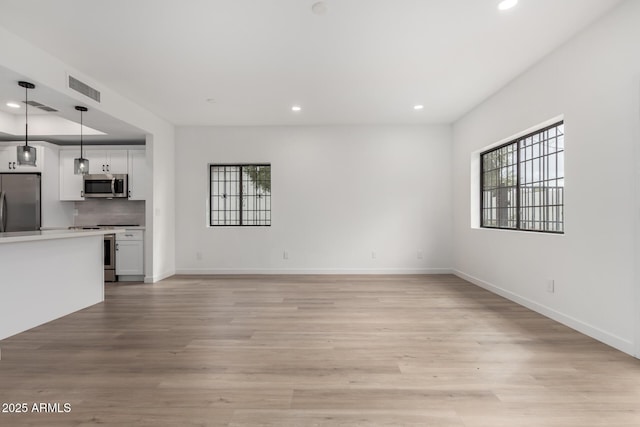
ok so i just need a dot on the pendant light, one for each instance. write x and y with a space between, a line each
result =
81 165
26 155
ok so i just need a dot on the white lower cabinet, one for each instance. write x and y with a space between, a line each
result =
130 255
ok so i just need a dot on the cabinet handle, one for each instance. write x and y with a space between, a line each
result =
108 168
9 165
103 168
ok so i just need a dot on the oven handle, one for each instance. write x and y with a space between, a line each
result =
113 186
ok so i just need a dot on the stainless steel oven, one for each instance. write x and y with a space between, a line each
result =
106 186
109 257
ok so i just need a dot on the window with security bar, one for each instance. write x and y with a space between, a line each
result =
240 195
522 183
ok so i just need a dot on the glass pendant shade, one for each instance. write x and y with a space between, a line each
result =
26 155
81 166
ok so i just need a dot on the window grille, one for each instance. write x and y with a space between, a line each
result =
240 195
522 183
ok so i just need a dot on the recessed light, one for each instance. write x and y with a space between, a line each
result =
418 107
13 105
319 8
296 108
507 4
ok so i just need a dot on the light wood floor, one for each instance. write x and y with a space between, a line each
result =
315 351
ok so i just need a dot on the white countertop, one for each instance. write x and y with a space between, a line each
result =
30 236
70 227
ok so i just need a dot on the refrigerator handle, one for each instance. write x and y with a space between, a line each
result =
3 210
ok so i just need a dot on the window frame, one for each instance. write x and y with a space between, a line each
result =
518 141
240 194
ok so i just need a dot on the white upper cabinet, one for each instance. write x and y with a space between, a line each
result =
5 160
107 161
70 183
138 175
131 162
9 159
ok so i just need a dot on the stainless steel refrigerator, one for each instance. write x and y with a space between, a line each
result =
19 202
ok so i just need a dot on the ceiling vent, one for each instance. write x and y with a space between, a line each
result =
48 109
40 106
84 89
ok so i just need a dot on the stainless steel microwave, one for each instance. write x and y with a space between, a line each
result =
107 186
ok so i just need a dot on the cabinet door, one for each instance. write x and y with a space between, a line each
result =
117 161
129 258
137 175
9 160
70 183
5 159
97 161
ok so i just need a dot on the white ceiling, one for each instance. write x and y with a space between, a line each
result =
364 61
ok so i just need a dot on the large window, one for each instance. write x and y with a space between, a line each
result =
240 195
522 183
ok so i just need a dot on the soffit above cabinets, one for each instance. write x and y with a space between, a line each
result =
62 126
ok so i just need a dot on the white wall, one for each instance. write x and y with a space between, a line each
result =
593 81
338 194
40 67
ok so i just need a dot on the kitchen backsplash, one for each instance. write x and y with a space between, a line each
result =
93 212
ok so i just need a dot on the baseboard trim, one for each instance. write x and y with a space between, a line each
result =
614 341
159 277
328 271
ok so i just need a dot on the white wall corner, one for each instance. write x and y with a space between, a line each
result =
636 137
605 337
159 277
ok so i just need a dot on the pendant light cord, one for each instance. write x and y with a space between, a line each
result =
81 155
26 116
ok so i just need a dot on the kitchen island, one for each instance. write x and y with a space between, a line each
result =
45 275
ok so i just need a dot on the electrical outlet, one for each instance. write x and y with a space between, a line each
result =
419 254
285 255
374 255
551 286
199 256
